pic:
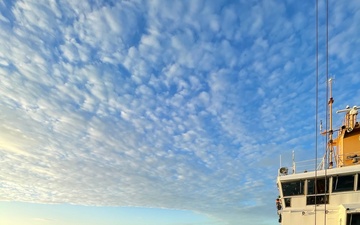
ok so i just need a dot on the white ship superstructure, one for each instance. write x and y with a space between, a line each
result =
330 193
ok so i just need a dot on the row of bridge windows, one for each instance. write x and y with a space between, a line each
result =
317 190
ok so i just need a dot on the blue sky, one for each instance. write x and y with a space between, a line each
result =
162 112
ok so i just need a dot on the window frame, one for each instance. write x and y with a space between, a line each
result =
335 182
285 189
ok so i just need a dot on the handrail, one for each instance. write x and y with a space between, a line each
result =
308 165
305 166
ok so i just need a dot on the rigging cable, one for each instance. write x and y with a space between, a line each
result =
317 96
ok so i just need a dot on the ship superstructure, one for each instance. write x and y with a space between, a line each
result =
330 193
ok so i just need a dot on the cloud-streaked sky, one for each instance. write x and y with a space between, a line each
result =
174 105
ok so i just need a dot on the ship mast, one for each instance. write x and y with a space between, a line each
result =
330 131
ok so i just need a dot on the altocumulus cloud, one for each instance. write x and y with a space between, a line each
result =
179 104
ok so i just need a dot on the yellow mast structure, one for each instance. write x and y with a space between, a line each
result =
347 142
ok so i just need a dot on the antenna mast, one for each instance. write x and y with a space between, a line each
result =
330 132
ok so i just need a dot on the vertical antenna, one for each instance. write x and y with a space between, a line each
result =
330 132
293 162
330 107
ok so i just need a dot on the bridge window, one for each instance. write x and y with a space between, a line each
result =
293 188
317 191
287 202
353 219
318 186
343 183
317 199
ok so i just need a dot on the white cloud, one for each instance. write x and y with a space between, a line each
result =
170 105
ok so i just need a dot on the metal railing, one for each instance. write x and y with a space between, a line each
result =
303 166
309 165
